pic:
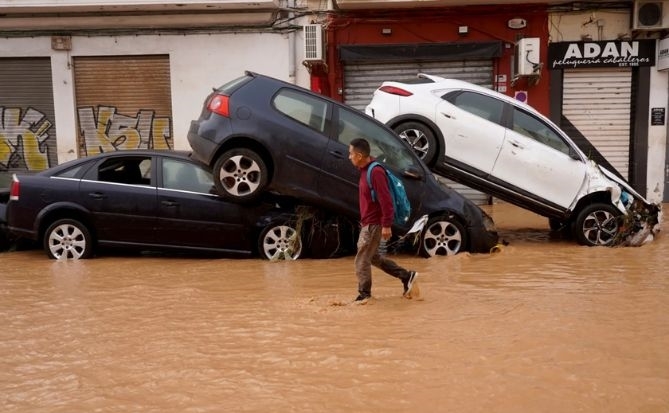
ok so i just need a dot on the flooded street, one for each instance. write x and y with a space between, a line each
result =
543 326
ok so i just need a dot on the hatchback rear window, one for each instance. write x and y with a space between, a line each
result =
232 85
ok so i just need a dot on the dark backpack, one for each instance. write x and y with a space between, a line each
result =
401 203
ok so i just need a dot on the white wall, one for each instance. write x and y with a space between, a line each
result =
657 136
198 62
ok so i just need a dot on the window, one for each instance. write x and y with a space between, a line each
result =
480 105
72 172
305 109
133 171
385 145
185 176
534 128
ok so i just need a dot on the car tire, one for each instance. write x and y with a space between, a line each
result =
240 175
280 241
597 224
420 138
68 239
442 235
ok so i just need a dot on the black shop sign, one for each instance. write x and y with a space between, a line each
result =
618 53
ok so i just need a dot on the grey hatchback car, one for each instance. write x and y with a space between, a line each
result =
258 134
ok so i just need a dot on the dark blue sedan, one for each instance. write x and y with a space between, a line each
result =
150 200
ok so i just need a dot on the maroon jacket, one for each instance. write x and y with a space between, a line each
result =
380 212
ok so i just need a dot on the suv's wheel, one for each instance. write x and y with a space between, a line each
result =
68 239
442 236
240 175
420 138
597 224
280 241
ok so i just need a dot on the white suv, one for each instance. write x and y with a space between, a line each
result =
498 145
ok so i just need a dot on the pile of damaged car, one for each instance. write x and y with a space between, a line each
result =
503 147
268 176
262 135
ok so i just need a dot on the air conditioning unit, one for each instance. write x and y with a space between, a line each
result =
527 56
650 15
313 42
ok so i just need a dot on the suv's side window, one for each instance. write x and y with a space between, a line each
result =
483 106
385 146
534 128
305 109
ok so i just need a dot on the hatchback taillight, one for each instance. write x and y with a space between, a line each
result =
393 90
220 104
14 189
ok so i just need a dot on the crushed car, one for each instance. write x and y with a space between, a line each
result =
151 200
498 145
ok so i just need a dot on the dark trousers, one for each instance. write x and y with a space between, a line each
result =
368 255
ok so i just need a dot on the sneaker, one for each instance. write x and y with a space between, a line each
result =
362 299
408 284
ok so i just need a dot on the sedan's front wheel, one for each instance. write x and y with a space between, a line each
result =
280 241
442 235
240 175
68 239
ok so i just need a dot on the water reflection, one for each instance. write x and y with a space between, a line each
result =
544 325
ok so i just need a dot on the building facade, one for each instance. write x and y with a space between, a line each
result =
78 77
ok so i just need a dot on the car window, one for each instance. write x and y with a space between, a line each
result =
304 108
536 129
72 172
186 176
234 84
134 170
480 105
385 145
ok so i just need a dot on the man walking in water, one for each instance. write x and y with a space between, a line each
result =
376 219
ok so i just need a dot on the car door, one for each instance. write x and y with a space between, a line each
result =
301 138
120 193
473 134
339 178
190 214
537 160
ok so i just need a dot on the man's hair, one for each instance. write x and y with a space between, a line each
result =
361 145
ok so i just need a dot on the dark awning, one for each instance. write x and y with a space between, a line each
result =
420 51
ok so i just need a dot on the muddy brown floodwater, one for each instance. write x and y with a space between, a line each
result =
543 326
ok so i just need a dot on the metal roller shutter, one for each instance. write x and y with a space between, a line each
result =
361 80
27 120
123 102
598 103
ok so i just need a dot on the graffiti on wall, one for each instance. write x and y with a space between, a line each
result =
24 139
108 130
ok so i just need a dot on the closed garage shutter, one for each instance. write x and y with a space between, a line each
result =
27 120
361 80
123 102
597 102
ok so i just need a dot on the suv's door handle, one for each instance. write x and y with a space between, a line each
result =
516 144
97 195
169 203
448 115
